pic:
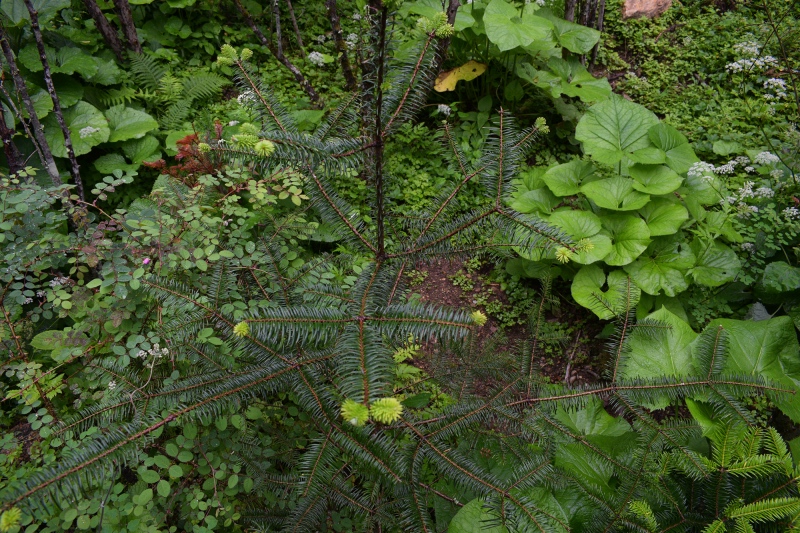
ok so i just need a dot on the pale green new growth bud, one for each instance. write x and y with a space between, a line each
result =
248 129
246 54
264 148
386 410
203 148
355 413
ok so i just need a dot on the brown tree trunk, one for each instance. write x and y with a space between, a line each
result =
277 50
569 10
105 28
123 9
51 89
347 70
296 28
37 131
444 44
15 160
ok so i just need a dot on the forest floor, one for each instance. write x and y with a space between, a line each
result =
570 351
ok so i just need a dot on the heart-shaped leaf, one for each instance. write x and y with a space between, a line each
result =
663 267
679 155
629 238
507 29
574 37
606 298
616 193
128 123
566 77
654 179
583 225
87 126
664 216
716 263
538 200
614 128
566 179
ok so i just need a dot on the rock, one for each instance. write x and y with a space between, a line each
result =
644 8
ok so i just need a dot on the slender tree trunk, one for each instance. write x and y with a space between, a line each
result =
105 28
444 44
601 11
38 138
296 28
569 10
347 70
48 80
380 221
19 115
277 51
15 160
123 9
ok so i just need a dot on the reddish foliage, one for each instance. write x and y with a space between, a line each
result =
191 162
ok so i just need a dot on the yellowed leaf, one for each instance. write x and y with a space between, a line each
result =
446 81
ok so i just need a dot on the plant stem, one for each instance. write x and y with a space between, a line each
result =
296 28
277 51
336 27
51 89
43 148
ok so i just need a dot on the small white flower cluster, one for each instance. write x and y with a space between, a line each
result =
40 294
701 169
540 3
792 213
156 352
747 48
444 109
757 64
351 41
747 190
778 86
727 168
58 281
27 300
746 210
776 174
763 192
750 60
88 130
728 200
316 58
320 39
246 97
112 385
748 247
233 123
767 158
356 16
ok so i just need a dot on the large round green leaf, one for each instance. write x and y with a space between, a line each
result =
613 128
16 11
716 263
566 77
474 518
654 179
629 238
507 29
664 216
616 193
765 348
538 200
663 267
566 179
583 225
574 37
606 298
667 352
128 123
679 155
780 277
87 127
